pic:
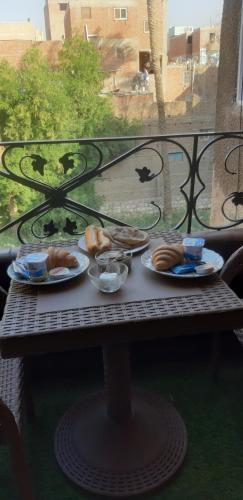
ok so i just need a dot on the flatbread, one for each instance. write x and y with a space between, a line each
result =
126 237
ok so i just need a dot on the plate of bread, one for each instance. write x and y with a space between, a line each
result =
169 260
130 239
61 266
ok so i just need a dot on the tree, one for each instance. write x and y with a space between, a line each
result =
38 101
156 8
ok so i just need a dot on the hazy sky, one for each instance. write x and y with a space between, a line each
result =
180 12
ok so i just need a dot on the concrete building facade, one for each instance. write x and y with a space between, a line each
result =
54 14
22 30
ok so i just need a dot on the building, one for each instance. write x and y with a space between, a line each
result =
22 30
202 45
179 47
13 51
206 44
179 30
54 14
118 28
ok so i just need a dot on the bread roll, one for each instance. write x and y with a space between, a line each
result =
104 243
166 256
91 239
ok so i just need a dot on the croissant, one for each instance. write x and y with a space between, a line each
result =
166 256
60 258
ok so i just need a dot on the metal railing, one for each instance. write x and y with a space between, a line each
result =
75 163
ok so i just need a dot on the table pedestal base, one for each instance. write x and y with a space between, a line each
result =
121 458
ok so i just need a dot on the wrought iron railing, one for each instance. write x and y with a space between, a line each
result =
57 170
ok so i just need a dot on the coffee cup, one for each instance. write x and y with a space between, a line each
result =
35 265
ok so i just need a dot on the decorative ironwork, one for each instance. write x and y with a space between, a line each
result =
38 163
70 227
50 229
144 173
83 160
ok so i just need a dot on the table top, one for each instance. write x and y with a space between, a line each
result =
24 330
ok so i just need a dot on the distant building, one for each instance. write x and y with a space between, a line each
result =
54 13
22 30
118 28
179 30
179 47
202 45
206 44
12 51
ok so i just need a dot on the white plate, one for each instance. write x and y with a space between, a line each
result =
130 251
76 271
208 256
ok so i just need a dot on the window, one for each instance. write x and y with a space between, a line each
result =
120 14
86 12
177 156
212 37
62 6
189 39
146 27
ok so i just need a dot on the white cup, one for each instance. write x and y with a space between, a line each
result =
35 264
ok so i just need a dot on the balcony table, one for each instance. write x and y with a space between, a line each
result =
119 442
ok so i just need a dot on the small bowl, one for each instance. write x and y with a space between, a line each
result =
111 279
118 255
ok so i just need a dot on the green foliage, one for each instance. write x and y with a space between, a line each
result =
38 101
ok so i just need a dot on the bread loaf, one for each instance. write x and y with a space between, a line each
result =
103 242
166 256
91 239
96 241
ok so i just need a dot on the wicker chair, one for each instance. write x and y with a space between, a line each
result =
11 392
231 269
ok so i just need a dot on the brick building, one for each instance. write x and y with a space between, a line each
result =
202 45
118 28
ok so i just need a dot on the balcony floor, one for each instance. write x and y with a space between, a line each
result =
179 368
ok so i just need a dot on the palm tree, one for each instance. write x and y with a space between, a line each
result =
156 9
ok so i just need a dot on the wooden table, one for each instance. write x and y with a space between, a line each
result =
118 442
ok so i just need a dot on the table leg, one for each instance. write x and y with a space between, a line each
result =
120 443
117 381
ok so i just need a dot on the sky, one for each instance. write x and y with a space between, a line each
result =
180 12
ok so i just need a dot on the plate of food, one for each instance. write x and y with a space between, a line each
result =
61 265
169 260
129 239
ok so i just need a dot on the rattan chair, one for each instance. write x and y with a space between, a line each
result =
231 269
11 398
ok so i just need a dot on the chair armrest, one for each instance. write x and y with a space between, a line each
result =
7 255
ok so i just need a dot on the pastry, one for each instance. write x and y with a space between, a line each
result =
91 239
166 256
126 237
59 258
95 240
104 243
